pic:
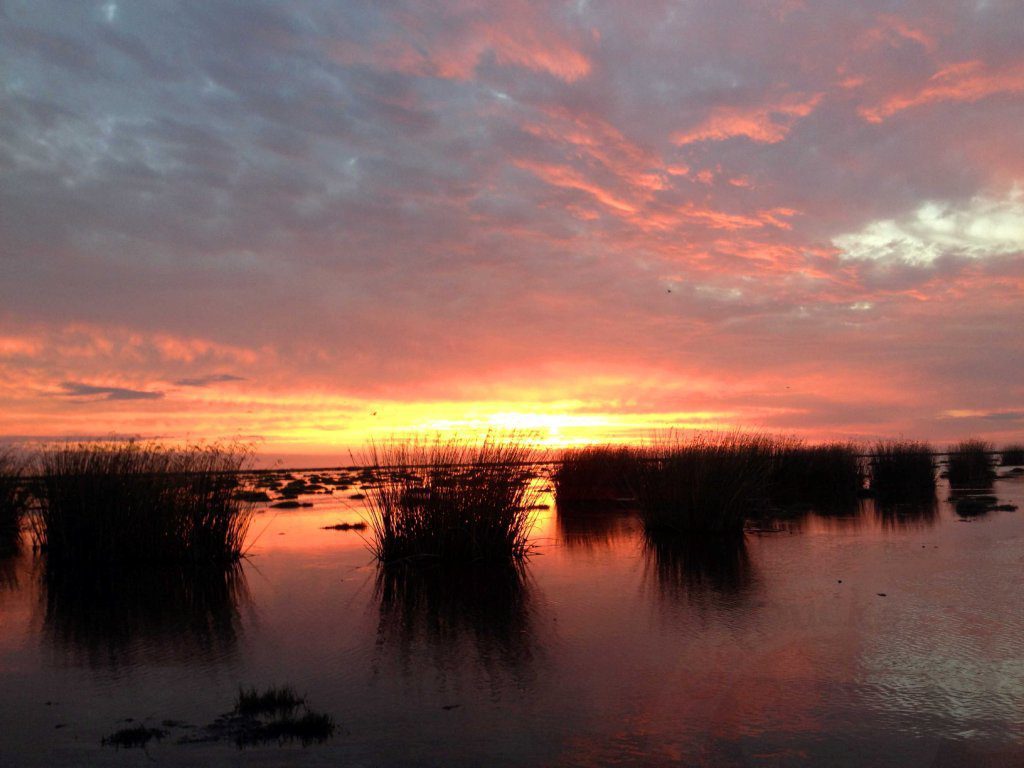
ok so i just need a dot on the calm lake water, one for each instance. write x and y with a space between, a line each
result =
866 639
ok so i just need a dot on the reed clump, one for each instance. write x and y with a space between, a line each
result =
902 470
13 493
972 464
110 504
708 484
594 473
454 500
1012 455
829 476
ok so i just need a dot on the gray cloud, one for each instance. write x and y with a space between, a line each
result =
397 199
79 389
205 381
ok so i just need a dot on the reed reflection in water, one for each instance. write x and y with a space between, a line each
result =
123 617
907 515
594 526
698 569
445 617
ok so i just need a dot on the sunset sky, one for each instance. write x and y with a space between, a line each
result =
314 222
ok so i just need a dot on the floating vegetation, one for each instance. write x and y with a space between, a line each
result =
307 728
360 526
105 503
708 484
972 464
276 714
133 737
902 471
273 701
595 473
975 504
457 501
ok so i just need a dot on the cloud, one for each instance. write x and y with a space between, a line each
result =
551 201
764 123
81 390
964 81
205 381
982 228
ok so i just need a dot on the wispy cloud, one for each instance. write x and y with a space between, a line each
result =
353 203
205 381
76 389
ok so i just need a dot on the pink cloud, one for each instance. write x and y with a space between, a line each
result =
764 123
965 81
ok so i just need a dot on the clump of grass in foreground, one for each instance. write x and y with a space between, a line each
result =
594 473
458 500
280 704
902 470
829 476
972 464
1013 455
136 736
106 504
708 484
13 493
283 700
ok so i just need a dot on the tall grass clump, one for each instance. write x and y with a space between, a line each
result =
707 484
902 470
829 476
594 473
972 464
108 504
13 495
1013 455
454 500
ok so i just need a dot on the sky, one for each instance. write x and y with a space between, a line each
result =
311 224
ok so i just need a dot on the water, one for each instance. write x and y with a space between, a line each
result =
604 651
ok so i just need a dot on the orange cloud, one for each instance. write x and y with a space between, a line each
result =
965 81
765 123
892 30
569 178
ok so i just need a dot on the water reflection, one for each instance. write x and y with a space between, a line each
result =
907 515
121 618
12 555
697 569
594 527
443 617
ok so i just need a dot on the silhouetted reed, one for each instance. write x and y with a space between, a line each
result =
13 497
684 568
115 617
902 471
1012 455
594 473
106 503
829 477
708 484
450 611
457 501
972 464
